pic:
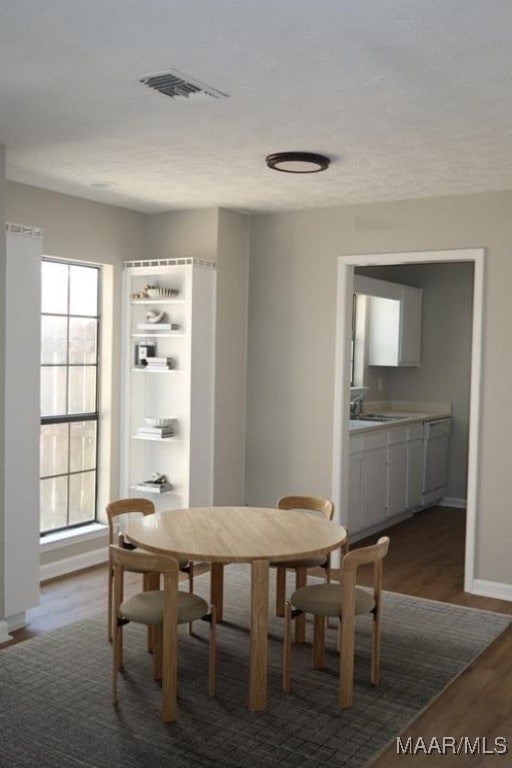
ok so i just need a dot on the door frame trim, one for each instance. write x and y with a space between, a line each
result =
345 286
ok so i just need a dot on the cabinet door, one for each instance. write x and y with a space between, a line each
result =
354 493
414 483
396 478
410 326
373 487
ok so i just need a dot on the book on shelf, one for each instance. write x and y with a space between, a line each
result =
158 327
156 431
166 363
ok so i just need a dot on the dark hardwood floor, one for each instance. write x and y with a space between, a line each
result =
425 559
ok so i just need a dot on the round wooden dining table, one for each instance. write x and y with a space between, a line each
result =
255 535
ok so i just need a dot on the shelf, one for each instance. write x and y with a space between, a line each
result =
148 369
144 489
155 439
167 335
157 301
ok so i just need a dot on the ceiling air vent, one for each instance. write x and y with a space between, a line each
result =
176 85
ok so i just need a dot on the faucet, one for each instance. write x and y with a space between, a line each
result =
356 407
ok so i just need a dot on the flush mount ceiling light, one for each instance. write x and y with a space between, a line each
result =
297 162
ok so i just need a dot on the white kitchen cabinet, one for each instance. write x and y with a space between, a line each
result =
373 480
396 471
386 474
394 328
168 373
354 486
415 453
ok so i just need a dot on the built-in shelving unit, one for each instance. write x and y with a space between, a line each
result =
182 392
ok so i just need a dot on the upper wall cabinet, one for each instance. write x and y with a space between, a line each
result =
394 322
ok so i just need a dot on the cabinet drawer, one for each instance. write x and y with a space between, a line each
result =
415 431
397 435
375 440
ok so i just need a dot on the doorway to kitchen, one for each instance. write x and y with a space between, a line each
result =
347 266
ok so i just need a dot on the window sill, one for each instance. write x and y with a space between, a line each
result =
74 536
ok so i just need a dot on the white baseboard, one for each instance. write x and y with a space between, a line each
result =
490 589
72 564
450 501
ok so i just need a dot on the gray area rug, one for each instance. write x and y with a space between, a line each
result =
55 695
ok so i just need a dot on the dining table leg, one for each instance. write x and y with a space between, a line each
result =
259 636
217 588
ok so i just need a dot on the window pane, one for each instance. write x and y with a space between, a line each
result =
53 391
54 503
54 340
82 389
54 449
81 497
54 296
83 290
83 446
82 340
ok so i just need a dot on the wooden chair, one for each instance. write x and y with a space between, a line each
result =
311 504
344 601
151 581
163 610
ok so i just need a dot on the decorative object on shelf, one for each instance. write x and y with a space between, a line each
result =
154 292
157 421
154 317
151 291
160 364
158 484
144 350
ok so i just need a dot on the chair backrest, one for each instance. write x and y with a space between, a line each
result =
373 554
140 560
312 503
123 507
145 562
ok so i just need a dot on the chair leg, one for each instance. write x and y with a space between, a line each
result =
347 661
191 589
150 581
287 647
117 646
300 621
375 668
157 652
170 674
318 653
110 591
212 662
280 590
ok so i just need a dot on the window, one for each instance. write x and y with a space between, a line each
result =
69 394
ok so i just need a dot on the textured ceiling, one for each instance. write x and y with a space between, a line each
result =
410 98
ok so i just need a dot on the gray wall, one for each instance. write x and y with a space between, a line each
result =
292 318
221 236
2 382
444 374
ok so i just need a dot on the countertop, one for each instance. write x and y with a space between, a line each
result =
405 414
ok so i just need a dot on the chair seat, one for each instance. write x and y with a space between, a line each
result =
325 599
147 607
310 562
